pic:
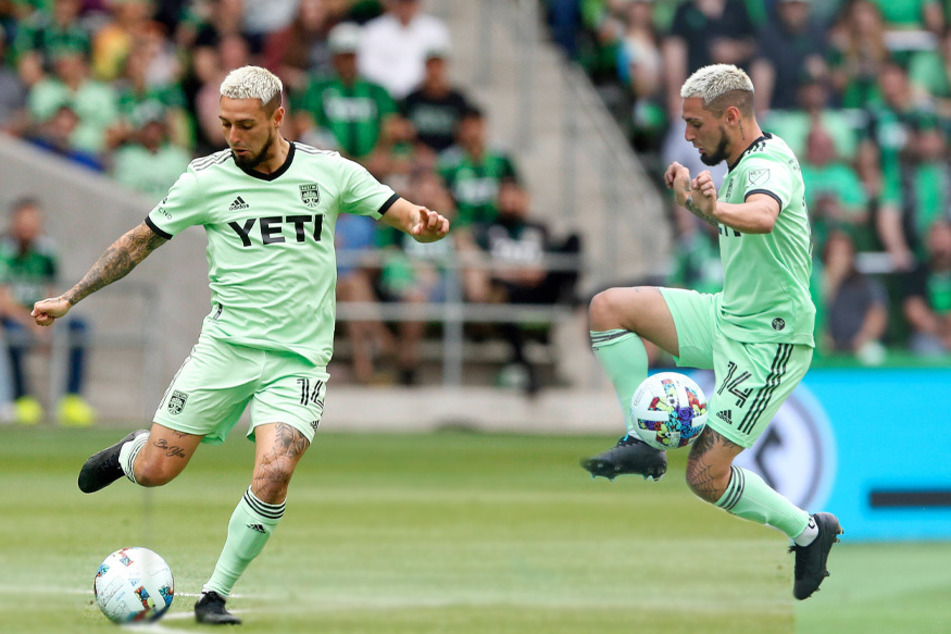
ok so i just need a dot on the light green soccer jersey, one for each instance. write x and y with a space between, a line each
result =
766 276
271 260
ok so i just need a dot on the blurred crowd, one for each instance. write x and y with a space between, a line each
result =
129 88
859 89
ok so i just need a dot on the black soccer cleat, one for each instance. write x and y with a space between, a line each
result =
811 560
102 469
210 610
630 455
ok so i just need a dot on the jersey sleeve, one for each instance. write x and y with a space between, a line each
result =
363 195
762 175
180 209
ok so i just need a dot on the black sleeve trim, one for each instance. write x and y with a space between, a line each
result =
389 203
158 231
764 191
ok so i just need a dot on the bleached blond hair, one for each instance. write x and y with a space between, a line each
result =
720 86
253 82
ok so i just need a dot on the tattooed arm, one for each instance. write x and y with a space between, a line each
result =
692 207
120 258
757 214
693 195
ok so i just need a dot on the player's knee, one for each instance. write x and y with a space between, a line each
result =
707 480
603 310
271 481
150 472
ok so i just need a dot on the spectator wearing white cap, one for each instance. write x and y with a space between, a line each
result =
354 110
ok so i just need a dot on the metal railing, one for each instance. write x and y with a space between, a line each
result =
455 312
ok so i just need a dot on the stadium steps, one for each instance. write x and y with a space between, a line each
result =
581 172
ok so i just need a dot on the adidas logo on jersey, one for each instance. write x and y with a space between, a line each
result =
238 204
259 528
726 416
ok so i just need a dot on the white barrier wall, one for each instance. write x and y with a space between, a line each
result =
85 213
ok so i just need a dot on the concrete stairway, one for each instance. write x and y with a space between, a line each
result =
582 174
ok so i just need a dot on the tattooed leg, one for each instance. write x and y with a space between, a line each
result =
164 455
279 449
708 467
712 476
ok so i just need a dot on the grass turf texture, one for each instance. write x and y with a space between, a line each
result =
450 532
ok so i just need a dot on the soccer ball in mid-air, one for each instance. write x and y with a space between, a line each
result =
134 584
669 410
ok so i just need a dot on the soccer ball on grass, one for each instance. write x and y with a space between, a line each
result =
669 410
134 584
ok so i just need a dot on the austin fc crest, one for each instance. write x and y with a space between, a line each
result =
176 402
310 194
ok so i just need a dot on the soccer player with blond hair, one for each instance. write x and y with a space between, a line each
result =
269 208
756 335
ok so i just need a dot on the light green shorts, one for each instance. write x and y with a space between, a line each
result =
218 380
751 379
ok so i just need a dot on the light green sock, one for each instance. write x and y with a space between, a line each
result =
750 498
251 525
624 358
129 452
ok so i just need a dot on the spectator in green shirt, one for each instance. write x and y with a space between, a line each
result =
94 103
890 118
915 194
834 194
30 266
857 53
912 14
43 33
355 111
473 171
139 95
148 161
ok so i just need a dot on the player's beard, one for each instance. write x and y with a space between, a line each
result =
251 161
719 154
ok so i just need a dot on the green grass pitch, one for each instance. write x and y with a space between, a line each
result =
456 532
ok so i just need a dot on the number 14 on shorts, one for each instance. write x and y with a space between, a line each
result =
311 392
